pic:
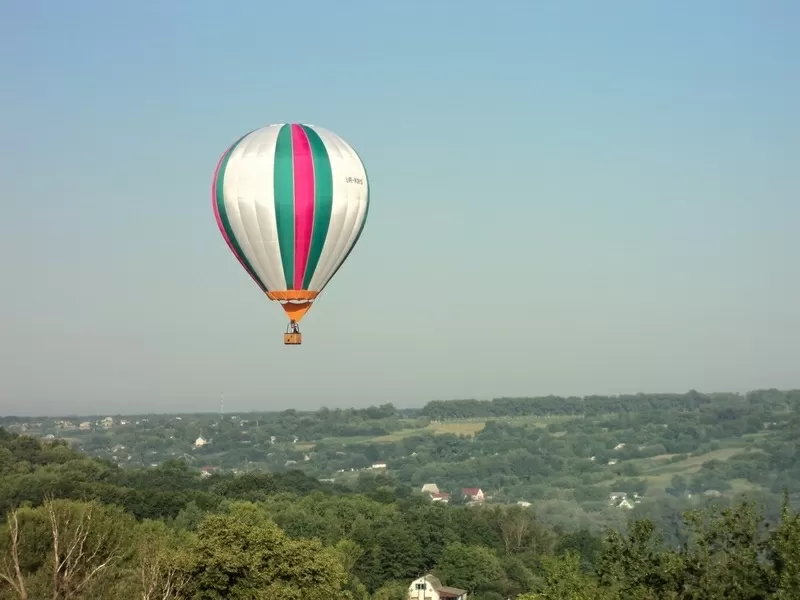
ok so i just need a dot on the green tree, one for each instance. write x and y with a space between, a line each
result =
64 550
588 546
164 561
349 553
723 559
785 552
243 555
635 564
394 556
564 580
6 461
468 567
393 590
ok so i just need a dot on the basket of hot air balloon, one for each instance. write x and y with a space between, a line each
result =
291 201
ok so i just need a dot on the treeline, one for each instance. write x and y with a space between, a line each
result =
284 425
594 406
81 529
336 422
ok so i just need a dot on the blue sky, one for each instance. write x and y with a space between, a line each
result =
567 198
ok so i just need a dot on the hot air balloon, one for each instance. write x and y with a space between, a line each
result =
291 201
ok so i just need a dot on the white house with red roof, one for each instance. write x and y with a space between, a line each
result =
473 494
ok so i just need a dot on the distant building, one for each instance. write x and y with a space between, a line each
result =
430 488
473 494
199 442
617 496
621 500
379 465
429 587
443 497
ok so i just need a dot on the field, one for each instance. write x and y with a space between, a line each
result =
658 471
467 428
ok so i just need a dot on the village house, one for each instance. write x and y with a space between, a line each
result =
615 497
199 442
626 503
435 494
622 500
430 488
429 587
473 494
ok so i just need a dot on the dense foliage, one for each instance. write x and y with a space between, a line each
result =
80 527
566 457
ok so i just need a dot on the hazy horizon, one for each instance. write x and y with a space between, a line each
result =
227 412
566 199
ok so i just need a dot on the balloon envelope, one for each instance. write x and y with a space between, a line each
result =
291 201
